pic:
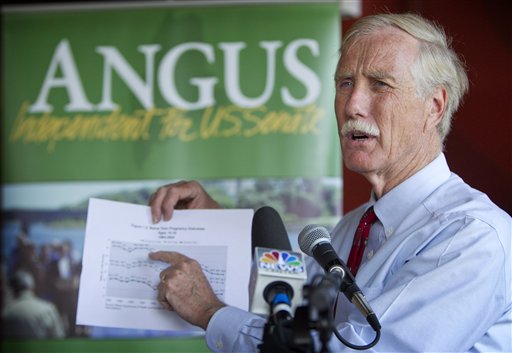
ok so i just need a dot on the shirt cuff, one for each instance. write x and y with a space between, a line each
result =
231 328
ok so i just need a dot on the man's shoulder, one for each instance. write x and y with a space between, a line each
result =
457 199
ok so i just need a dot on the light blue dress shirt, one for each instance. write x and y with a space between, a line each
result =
436 271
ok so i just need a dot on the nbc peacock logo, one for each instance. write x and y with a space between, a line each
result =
281 261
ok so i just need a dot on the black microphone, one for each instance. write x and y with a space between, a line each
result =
278 273
268 230
315 241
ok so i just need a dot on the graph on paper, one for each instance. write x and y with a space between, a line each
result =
129 273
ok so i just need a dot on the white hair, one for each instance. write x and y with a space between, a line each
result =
360 125
437 64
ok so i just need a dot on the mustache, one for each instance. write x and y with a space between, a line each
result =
360 126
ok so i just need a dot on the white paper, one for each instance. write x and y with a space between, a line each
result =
118 281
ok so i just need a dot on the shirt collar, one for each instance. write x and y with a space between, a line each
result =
396 204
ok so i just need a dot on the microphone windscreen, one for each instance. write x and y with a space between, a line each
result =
310 236
268 230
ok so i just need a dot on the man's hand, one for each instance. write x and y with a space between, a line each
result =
185 289
180 195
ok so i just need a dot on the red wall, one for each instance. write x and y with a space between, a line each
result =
479 147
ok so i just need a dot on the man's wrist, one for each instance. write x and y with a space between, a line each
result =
209 312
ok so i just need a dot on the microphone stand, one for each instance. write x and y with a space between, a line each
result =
279 336
321 298
284 334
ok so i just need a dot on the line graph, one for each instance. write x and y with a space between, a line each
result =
129 273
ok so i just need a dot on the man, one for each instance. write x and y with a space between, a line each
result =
29 316
436 269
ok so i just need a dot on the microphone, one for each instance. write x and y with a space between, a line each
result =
275 286
315 241
268 230
278 274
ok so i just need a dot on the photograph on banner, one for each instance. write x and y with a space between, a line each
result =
44 228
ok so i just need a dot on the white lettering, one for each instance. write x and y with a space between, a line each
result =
113 60
63 73
70 80
232 73
301 72
167 83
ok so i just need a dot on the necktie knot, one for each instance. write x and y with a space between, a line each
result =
360 240
369 217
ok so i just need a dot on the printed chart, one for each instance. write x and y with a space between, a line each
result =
129 272
119 282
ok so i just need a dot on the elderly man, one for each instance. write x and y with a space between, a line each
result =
436 268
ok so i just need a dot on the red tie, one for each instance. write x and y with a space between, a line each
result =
360 240
358 244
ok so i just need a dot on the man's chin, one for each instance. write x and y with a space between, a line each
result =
358 162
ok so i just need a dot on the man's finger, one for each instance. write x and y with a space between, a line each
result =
167 197
156 204
161 297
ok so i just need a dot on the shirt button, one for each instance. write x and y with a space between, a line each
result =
389 232
369 255
219 345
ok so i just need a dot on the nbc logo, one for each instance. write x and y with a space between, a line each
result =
281 261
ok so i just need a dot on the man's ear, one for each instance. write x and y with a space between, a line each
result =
436 108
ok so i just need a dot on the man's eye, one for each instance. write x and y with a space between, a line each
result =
380 84
344 84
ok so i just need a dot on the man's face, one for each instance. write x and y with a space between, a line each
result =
374 85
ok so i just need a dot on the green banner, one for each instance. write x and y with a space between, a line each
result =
221 91
113 101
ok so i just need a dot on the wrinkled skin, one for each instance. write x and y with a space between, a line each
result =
374 83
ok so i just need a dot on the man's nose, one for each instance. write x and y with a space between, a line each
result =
358 102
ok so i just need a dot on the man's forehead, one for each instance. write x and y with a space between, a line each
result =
381 52
384 35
